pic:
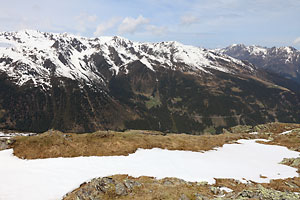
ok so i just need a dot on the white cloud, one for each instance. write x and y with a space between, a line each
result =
297 41
84 21
130 25
189 19
101 28
157 30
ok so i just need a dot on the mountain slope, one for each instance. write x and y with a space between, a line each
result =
283 60
79 84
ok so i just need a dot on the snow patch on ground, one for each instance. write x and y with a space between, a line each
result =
286 132
226 189
9 135
253 133
50 179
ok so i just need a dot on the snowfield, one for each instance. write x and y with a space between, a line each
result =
50 179
9 135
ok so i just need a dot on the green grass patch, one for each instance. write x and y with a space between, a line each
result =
153 102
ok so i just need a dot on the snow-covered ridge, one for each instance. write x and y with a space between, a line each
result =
289 53
34 56
284 61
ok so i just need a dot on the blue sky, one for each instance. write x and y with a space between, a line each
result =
205 23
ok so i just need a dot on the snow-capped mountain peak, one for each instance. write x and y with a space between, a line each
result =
281 60
34 56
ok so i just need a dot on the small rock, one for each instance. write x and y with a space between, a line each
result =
10 141
202 183
270 138
225 131
120 189
200 197
167 182
241 129
183 197
130 184
3 145
215 190
296 162
291 185
262 193
104 184
293 162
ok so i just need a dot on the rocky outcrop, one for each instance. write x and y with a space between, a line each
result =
293 162
104 188
123 187
262 193
6 143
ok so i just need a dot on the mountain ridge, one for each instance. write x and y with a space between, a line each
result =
284 61
68 52
78 84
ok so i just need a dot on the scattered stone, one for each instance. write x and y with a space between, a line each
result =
296 162
200 197
175 181
202 183
241 129
291 185
3 145
270 138
225 131
130 184
167 182
6 143
267 194
10 141
184 197
120 189
293 162
216 190
104 184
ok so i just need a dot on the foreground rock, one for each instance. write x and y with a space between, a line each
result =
124 187
262 193
6 143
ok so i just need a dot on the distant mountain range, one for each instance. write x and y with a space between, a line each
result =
78 84
284 61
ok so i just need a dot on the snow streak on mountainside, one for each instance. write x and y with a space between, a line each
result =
30 56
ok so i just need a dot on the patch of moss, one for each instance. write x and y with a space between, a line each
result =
153 102
210 130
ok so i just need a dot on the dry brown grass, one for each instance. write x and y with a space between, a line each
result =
56 144
291 141
284 184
